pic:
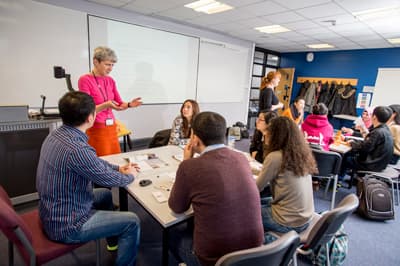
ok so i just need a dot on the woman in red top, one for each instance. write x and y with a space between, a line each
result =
98 84
316 127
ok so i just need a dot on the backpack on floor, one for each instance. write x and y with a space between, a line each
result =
337 248
375 197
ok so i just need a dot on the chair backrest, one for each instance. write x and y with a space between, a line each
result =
328 162
161 138
330 222
12 225
279 252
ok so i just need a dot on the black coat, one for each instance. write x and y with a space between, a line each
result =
375 152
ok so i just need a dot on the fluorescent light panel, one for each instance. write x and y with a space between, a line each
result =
394 40
272 29
320 46
208 6
375 13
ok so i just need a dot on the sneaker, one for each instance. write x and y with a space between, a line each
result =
112 248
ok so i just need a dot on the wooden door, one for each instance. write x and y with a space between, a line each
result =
284 90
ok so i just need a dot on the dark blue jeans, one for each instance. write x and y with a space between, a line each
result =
105 223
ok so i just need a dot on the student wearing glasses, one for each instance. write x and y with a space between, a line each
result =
258 142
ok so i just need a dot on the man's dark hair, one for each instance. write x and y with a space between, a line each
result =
382 113
210 127
75 107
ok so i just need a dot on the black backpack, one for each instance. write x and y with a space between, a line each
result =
375 197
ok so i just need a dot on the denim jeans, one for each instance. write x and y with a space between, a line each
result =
181 244
105 223
271 225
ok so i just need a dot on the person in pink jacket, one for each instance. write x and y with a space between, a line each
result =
316 127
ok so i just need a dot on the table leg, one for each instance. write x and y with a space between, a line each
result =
123 199
165 248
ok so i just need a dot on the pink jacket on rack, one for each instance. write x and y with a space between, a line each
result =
318 130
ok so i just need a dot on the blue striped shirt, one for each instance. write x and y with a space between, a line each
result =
67 168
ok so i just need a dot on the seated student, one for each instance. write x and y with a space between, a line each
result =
257 144
295 111
70 209
316 127
394 126
287 169
182 123
375 151
220 187
362 125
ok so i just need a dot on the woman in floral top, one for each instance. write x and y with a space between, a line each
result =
181 125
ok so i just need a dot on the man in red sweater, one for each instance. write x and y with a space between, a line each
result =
221 189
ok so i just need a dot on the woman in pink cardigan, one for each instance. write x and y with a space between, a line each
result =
316 127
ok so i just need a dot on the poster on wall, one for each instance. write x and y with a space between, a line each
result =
363 100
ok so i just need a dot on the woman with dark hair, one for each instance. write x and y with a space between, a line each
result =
287 168
316 127
182 124
268 100
295 111
258 141
394 126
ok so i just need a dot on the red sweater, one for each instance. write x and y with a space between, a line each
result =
318 129
226 203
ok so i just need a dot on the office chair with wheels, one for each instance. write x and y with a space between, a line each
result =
325 228
328 163
26 233
279 252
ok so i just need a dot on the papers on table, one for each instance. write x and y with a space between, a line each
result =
147 161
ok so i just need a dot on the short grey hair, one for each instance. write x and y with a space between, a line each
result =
103 53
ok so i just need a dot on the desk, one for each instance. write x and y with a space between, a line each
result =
162 179
340 148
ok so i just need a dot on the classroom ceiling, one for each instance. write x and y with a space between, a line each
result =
310 21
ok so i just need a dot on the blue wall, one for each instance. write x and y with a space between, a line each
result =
359 64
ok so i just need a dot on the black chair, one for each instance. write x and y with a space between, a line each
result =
161 138
321 232
328 163
279 252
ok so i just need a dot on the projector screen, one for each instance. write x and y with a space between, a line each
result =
159 66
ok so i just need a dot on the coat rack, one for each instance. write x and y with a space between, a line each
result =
345 81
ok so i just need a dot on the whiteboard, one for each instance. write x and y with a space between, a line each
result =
223 72
34 38
386 87
159 66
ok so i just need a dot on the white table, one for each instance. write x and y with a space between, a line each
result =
162 179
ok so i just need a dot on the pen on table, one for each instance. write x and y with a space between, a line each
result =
163 187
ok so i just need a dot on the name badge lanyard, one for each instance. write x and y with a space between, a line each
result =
104 94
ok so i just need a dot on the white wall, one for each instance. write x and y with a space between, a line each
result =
146 120
386 81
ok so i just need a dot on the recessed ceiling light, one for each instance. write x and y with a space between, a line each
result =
320 46
377 13
394 40
272 29
209 6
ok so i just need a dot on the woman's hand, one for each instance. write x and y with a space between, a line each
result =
115 106
136 102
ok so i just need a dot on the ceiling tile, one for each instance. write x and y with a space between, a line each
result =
116 3
284 17
263 8
239 3
321 11
180 13
354 6
300 25
254 22
297 4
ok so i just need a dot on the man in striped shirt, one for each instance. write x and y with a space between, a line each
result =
70 209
